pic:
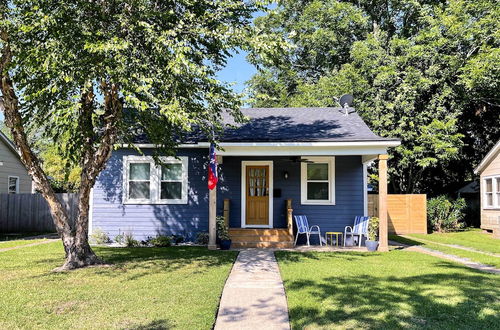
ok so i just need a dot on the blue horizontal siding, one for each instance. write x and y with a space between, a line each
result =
349 199
114 217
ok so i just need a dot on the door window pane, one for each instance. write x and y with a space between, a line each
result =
317 191
317 171
139 171
139 190
171 172
171 190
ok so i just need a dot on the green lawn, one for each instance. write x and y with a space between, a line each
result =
473 256
14 243
145 288
473 238
398 289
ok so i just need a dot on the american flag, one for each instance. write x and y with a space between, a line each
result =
212 169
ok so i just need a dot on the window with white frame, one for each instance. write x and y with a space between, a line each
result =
13 185
148 183
491 192
318 180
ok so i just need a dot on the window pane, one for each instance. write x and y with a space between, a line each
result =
498 185
317 171
138 190
317 191
489 199
489 186
171 172
139 171
12 185
171 190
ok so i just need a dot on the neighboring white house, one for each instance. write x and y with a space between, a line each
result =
489 169
14 178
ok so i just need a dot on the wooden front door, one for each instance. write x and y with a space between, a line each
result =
257 195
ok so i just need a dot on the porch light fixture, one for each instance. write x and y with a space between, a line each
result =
285 175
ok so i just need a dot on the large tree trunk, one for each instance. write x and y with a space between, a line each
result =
75 241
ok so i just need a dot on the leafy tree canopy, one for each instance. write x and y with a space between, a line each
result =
85 75
426 72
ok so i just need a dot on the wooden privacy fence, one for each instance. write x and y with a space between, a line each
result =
407 214
30 213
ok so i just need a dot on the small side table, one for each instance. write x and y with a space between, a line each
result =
338 236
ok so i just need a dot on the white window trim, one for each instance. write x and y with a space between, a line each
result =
155 182
17 183
331 180
494 191
244 165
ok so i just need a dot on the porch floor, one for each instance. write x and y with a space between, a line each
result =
313 248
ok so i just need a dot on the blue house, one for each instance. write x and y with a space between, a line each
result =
310 161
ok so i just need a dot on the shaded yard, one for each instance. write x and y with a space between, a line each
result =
145 288
399 289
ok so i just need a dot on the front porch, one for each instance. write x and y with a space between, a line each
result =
259 208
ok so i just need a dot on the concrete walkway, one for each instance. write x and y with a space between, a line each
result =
254 296
28 245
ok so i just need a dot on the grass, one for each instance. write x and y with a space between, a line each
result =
398 289
14 243
473 238
145 288
473 256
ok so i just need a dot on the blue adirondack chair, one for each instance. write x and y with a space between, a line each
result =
303 228
359 229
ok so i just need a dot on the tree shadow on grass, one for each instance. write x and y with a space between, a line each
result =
153 325
435 299
141 262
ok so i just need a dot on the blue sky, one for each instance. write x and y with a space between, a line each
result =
237 71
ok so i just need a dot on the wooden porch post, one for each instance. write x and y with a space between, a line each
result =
212 205
382 203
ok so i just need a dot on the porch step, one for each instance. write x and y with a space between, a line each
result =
271 245
260 238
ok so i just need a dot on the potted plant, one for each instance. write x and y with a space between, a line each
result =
223 234
371 242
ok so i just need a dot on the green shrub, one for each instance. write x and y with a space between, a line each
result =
99 237
177 239
373 228
119 238
161 241
444 214
222 229
202 238
129 240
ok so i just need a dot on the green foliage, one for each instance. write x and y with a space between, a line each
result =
77 64
120 239
373 226
99 237
202 238
222 229
128 239
426 72
444 214
161 241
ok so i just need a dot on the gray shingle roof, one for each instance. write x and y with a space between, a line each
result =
299 125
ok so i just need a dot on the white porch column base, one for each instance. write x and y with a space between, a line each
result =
212 206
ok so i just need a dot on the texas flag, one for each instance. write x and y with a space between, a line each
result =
212 169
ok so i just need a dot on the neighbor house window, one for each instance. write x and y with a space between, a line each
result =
491 192
13 185
147 183
318 181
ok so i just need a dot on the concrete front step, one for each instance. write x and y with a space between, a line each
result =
272 245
